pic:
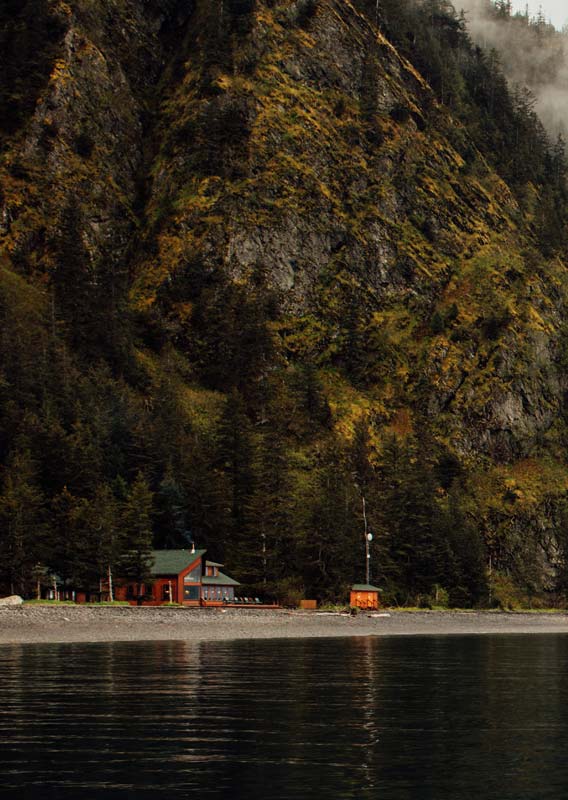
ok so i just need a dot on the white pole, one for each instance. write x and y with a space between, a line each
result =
110 591
367 553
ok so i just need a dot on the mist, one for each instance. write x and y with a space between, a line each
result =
533 55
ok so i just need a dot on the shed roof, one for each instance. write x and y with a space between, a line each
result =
213 564
364 587
219 580
172 562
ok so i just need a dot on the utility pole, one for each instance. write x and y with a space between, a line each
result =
368 540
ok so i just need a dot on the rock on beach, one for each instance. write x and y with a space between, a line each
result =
13 600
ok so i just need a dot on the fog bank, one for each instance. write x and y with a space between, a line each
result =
533 54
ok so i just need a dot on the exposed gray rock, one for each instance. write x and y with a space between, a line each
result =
13 600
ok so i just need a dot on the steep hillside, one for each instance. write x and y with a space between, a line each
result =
256 267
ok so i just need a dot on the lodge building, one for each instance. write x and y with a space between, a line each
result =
184 577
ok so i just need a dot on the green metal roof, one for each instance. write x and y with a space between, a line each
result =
364 587
172 562
213 564
219 580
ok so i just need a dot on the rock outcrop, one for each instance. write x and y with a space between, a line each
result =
170 143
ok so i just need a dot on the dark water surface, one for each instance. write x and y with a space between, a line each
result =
426 718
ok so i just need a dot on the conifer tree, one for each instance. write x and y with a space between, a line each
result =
73 278
464 574
172 512
23 526
104 528
331 551
415 554
74 548
236 452
268 550
135 561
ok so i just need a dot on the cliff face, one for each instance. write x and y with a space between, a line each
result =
318 154
178 155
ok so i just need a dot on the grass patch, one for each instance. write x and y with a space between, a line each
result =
50 603
73 603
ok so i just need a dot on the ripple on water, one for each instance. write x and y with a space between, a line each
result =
387 719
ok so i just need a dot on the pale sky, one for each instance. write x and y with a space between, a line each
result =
555 10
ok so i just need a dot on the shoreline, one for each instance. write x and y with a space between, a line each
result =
84 624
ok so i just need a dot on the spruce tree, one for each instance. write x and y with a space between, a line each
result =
135 561
104 527
24 531
73 556
172 512
235 451
332 555
269 542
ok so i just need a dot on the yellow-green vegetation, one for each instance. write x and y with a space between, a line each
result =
49 603
73 603
260 264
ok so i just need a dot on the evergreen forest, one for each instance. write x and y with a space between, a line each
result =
267 263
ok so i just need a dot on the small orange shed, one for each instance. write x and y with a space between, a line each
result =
363 595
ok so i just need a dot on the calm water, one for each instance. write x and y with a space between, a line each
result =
421 718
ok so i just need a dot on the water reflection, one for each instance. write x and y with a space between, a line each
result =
387 719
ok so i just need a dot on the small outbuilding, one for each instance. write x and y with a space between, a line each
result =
365 596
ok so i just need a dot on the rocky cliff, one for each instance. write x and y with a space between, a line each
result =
210 200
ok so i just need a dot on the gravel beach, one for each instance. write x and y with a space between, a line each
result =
29 624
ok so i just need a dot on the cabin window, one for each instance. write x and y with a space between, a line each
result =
191 592
194 576
205 593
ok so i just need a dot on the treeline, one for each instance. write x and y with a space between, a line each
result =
500 119
121 431
100 463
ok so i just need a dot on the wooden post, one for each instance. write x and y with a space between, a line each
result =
170 590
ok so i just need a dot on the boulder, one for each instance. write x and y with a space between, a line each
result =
13 600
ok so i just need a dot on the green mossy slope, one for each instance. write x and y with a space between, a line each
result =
269 271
